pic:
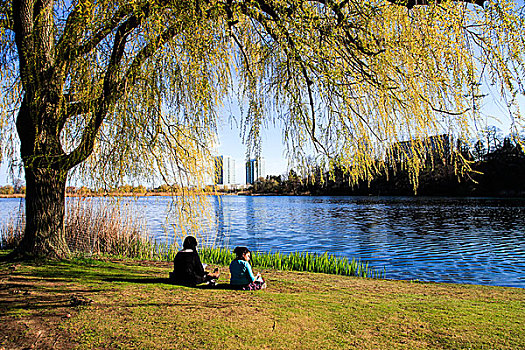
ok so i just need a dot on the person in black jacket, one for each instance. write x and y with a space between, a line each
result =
187 267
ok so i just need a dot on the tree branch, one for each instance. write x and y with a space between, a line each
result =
108 97
6 20
81 107
440 110
263 12
6 23
114 89
291 53
69 49
145 53
411 3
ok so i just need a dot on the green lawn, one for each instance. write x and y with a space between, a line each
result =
133 307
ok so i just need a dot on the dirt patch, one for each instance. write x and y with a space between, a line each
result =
32 310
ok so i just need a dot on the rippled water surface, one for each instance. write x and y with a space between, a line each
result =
460 240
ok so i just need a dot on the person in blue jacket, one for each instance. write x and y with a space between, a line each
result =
241 271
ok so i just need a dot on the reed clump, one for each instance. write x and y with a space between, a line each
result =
11 232
93 227
297 261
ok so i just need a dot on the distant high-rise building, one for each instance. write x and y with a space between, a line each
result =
229 171
224 170
255 168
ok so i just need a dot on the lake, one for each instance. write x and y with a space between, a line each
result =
459 240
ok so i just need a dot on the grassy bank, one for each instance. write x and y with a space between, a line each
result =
124 304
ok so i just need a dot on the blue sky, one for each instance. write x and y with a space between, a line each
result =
3 174
230 143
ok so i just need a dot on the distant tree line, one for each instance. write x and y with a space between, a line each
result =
125 189
18 187
10 190
497 169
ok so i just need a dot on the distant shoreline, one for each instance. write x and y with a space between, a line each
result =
16 195
248 194
149 194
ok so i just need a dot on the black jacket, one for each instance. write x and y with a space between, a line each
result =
188 269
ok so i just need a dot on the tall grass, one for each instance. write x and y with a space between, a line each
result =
93 227
108 227
11 231
111 228
308 262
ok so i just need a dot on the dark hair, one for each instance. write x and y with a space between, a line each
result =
190 242
240 251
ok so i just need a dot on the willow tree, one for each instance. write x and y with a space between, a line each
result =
115 88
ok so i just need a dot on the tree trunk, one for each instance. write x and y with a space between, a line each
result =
44 235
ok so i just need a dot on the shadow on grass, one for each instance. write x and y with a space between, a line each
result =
139 280
81 271
168 282
96 271
19 298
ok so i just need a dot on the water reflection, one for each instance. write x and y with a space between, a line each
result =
435 239
220 220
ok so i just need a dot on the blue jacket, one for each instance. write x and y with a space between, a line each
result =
241 273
